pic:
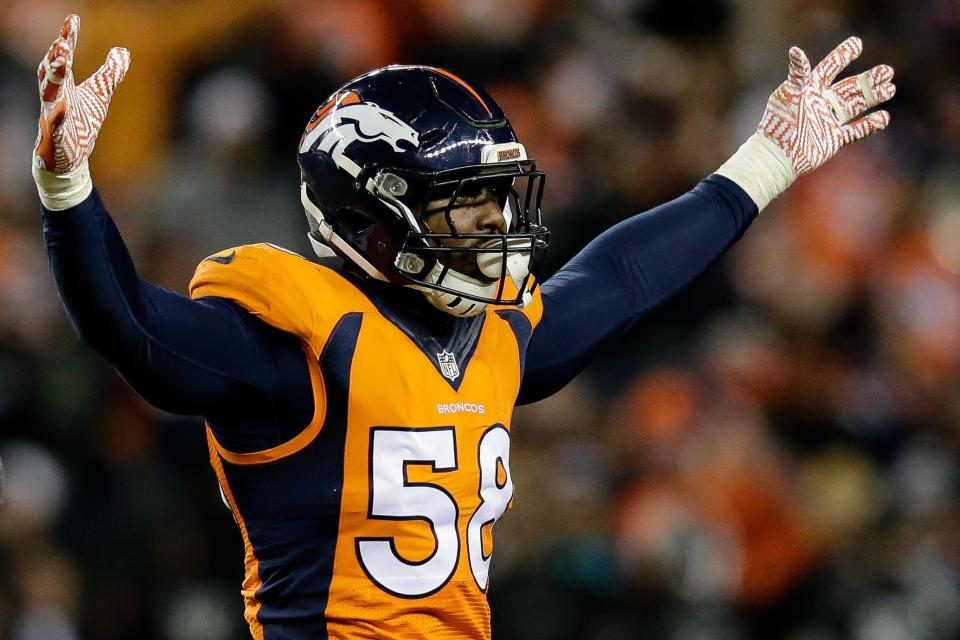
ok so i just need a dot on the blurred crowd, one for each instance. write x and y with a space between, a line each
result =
773 454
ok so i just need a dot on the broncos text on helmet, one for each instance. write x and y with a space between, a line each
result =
391 141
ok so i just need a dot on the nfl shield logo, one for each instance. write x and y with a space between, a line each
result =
448 365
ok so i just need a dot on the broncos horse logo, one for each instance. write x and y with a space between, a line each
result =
345 120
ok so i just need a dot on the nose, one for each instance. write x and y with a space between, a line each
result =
489 217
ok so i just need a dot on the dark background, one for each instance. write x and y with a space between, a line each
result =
772 454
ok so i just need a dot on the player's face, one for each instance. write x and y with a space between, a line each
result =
480 213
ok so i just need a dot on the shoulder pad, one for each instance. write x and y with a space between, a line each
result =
280 287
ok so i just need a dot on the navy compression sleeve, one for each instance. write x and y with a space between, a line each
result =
626 271
195 357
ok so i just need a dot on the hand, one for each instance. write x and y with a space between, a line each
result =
809 119
70 115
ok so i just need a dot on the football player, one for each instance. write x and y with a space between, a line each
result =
358 420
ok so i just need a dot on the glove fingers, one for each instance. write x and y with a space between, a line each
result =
70 32
875 85
71 116
880 74
58 61
109 75
885 91
53 69
866 126
853 95
799 66
838 60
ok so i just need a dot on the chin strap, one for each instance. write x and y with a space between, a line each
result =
455 305
452 304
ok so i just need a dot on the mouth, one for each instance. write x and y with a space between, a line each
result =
466 262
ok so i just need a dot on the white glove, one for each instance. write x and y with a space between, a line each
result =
807 120
71 117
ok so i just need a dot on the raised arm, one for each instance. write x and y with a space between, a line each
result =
626 271
642 261
205 357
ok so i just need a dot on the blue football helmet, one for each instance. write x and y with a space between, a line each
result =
391 141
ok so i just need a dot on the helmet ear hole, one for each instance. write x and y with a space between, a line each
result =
355 221
354 225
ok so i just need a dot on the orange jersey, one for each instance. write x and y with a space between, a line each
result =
376 520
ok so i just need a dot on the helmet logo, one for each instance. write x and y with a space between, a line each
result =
351 120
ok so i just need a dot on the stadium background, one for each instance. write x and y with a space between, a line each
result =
773 454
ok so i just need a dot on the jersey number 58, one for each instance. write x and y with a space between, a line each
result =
394 497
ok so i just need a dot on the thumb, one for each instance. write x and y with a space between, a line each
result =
45 148
111 73
799 67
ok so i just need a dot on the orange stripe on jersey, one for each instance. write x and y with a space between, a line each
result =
463 83
251 579
534 309
295 444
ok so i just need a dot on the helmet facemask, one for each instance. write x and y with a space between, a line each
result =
461 272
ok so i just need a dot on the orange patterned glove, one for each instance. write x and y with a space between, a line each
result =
71 115
810 120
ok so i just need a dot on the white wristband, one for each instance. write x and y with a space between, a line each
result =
761 168
59 191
